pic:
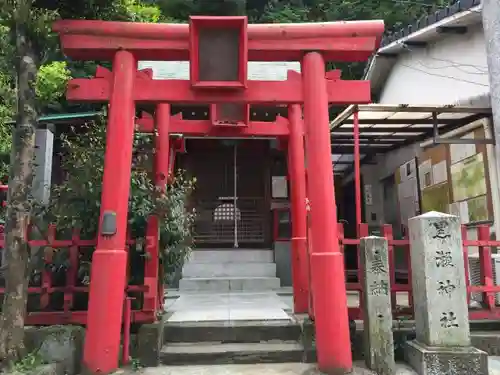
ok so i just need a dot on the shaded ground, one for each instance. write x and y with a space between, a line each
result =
271 369
260 369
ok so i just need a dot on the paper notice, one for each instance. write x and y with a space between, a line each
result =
440 172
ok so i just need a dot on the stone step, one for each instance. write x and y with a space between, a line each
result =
226 284
208 353
232 332
231 256
247 269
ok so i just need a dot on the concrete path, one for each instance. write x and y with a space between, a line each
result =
261 369
201 307
243 306
272 369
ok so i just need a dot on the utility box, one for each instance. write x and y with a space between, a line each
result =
218 52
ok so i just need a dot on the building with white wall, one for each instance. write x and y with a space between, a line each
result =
438 61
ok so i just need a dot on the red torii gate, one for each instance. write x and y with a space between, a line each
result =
312 44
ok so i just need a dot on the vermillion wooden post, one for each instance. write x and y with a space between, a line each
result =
109 261
296 165
161 163
327 262
162 144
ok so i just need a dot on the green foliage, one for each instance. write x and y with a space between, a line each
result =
51 83
276 12
182 9
80 192
138 12
28 363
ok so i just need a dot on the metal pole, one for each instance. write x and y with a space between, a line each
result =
235 196
491 27
357 171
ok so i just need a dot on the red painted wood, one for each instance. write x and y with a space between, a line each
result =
257 92
486 266
279 128
109 260
343 49
338 41
297 179
196 26
76 244
327 261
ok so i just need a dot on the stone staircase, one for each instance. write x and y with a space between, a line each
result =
231 343
224 270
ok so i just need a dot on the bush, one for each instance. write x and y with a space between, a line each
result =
75 203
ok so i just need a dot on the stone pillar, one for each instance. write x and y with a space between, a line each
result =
442 344
377 313
44 142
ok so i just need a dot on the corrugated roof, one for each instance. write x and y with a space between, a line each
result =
384 127
59 117
67 116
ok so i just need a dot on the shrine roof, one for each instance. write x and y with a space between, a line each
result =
384 128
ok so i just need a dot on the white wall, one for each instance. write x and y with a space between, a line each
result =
372 174
449 70
453 68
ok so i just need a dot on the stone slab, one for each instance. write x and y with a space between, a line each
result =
247 269
231 256
57 344
205 315
237 353
235 331
283 260
150 342
258 314
222 284
379 343
438 280
487 341
429 360
294 368
228 307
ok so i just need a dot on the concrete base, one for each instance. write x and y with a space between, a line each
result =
426 360
232 332
149 343
487 341
62 345
283 260
211 353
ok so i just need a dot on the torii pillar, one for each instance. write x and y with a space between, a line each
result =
327 262
296 173
109 261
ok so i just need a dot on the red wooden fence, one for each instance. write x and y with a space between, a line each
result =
488 309
41 293
42 311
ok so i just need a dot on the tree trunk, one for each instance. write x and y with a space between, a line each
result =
19 208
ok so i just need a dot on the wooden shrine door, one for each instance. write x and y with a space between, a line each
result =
231 197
